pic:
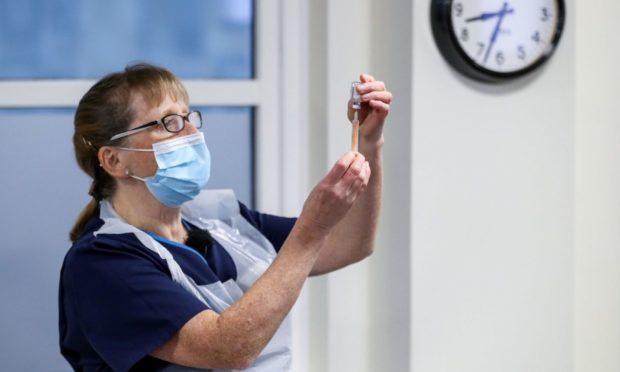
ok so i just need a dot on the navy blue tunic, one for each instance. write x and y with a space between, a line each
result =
117 300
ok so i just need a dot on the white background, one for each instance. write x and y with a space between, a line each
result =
499 237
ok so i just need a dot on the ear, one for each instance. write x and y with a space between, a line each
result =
111 160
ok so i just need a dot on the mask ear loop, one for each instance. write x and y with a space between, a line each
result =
128 173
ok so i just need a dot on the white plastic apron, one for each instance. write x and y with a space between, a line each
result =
218 212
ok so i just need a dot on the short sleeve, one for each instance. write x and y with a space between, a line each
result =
275 228
126 303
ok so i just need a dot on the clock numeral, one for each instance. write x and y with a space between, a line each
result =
499 58
536 37
480 48
458 9
545 14
521 52
465 34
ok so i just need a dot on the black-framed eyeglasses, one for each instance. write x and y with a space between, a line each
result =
173 123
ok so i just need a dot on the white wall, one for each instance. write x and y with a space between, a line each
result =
493 211
597 155
389 294
498 244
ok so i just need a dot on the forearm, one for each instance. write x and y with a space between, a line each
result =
246 327
235 338
352 239
357 230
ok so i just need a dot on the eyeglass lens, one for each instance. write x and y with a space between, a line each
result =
175 123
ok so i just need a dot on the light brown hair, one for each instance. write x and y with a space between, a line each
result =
107 109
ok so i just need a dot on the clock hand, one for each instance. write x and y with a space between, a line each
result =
485 16
501 15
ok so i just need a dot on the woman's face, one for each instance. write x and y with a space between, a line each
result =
143 164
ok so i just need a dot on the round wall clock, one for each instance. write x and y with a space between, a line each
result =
497 40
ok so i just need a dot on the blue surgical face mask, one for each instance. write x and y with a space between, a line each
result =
183 169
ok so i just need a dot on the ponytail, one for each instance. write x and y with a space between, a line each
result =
90 210
87 213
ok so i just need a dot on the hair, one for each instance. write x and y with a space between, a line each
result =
109 108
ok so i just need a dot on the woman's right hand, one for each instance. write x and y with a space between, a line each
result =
333 196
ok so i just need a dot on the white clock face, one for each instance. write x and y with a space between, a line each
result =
505 36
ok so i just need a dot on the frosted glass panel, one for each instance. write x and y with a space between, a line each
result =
89 38
230 137
42 193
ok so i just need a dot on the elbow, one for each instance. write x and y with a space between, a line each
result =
230 362
370 250
361 254
243 360
244 363
236 363
367 252
239 357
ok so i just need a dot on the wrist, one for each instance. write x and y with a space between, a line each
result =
308 236
372 146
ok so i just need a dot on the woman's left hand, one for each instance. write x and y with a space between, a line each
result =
375 108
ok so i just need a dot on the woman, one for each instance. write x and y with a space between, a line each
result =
165 276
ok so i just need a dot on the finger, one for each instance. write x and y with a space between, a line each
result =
354 191
340 168
383 96
362 180
359 184
365 78
366 172
370 86
354 171
379 106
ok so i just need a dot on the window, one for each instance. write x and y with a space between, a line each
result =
70 39
51 52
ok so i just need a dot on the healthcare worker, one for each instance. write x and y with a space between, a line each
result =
166 276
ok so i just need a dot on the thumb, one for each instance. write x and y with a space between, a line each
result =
340 168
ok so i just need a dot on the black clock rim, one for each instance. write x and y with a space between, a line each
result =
446 40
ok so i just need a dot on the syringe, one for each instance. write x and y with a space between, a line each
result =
356 104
